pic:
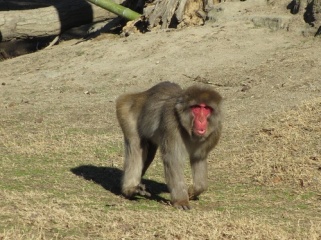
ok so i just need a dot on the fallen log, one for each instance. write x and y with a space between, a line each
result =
50 21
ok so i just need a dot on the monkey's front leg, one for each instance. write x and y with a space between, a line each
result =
174 175
200 182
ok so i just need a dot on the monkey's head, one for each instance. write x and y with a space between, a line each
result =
199 111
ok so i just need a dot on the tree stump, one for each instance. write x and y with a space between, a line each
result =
177 13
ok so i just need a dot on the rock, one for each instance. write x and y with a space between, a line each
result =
272 22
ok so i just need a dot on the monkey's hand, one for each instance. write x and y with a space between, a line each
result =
183 205
141 190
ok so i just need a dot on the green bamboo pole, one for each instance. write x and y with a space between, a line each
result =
117 9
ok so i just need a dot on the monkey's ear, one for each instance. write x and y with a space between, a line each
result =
180 104
180 100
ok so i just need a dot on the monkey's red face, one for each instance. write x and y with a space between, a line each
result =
201 112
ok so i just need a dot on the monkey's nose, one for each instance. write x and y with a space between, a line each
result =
201 119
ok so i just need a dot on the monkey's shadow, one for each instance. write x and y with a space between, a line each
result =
110 178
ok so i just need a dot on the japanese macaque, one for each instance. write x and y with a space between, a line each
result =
182 123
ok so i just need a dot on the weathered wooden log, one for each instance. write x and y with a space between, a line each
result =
50 21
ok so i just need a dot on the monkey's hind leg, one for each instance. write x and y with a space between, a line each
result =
138 156
133 167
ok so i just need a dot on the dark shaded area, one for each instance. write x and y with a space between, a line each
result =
65 11
113 26
151 151
110 179
19 47
310 18
308 14
6 5
71 29
294 6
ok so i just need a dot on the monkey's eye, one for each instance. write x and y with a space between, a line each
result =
201 109
208 108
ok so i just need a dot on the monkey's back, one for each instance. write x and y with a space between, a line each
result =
153 111
146 108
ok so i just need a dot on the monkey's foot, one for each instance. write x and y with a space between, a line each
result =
183 205
140 190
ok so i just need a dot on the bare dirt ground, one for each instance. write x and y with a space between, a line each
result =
58 129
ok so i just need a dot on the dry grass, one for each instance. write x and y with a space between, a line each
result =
72 220
268 187
287 149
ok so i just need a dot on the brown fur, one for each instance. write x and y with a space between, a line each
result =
161 116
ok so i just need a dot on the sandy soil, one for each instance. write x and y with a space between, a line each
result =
257 70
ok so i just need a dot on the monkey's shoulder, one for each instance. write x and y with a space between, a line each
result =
165 86
163 90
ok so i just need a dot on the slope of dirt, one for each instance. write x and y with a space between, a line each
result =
255 69
58 113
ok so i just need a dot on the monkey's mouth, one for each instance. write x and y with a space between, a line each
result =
199 132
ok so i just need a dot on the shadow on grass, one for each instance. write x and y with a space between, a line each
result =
110 178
